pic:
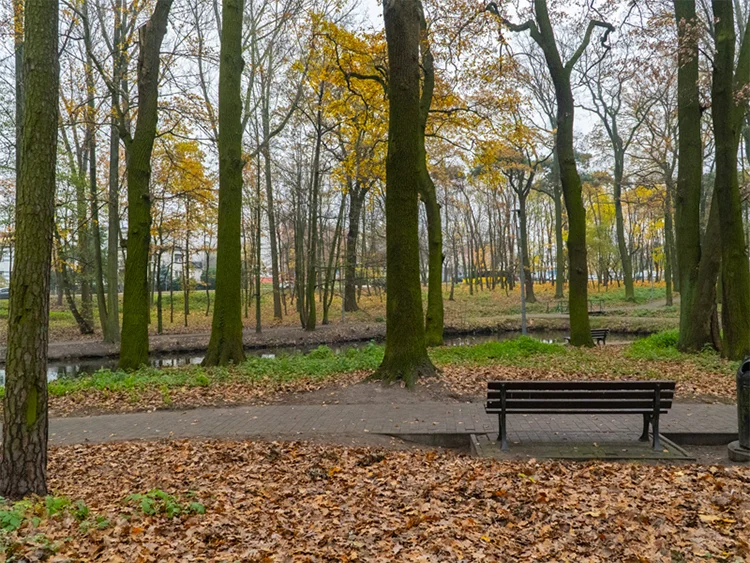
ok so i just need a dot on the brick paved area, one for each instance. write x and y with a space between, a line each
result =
289 421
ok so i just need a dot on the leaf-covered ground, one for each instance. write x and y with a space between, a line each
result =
260 501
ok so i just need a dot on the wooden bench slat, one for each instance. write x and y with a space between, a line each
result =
580 385
575 404
577 411
614 394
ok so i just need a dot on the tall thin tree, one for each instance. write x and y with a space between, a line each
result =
135 306
541 31
225 345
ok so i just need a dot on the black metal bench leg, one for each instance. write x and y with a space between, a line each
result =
503 435
646 421
655 417
655 425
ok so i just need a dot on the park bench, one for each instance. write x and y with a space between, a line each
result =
599 335
647 398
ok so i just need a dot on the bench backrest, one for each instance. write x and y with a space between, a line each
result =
599 331
579 396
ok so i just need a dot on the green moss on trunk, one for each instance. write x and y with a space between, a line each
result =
728 116
135 306
434 319
226 345
405 352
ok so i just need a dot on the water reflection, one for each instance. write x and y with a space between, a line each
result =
76 367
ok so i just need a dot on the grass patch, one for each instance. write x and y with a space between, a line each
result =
662 347
659 346
316 365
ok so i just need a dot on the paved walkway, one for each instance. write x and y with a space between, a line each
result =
290 421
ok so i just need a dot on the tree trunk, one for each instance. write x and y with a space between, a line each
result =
333 257
627 264
84 324
112 332
526 261
135 307
559 242
225 345
434 319
266 150
96 240
406 356
688 197
159 309
313 234
186 267
728 116
701 329
257 251
23 469
668 243
580 329
84 243
356 199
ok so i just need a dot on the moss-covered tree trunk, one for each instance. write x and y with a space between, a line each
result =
580 329
559 241
695 325
405 351
543 34
434 318
135 306
728 114
225 345
23 469
559 245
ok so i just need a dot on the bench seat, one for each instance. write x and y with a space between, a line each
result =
650 399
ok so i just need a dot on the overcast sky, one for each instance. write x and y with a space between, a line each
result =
374 11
